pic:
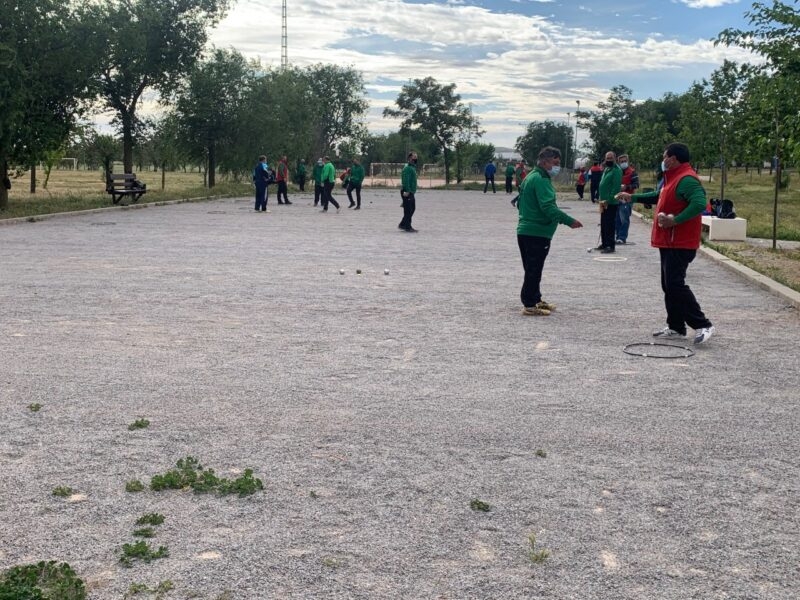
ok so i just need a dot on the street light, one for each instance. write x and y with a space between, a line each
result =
566 141
575 155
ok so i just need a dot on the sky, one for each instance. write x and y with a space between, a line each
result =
513 61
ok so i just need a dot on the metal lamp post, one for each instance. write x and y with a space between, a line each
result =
566 141
575 155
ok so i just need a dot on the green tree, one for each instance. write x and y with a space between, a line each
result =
40 97
101 150
338 97
209 103
146 45
607 126
774 35
546 133
437 110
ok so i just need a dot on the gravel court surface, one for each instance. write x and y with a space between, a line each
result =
396 399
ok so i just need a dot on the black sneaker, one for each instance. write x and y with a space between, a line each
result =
607 251
287 202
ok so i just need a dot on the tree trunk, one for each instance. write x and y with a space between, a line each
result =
3 180
446 155
33 178
163 175
127 141
212 165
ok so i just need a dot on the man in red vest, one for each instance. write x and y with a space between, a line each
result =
676 234
283 179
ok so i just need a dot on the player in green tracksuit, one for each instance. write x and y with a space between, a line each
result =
510 178
408 190
317 175
328 181
610 186
539 217
354 183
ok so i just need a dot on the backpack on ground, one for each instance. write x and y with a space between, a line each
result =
726 210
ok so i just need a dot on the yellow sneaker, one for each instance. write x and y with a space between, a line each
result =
535 311
546 306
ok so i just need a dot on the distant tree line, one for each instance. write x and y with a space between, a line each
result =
220 111
743 114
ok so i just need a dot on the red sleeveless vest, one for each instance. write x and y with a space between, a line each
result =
686 235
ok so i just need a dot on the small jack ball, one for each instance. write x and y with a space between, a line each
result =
358 271
386 271
341 271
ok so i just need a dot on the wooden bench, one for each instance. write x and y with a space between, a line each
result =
125 184
731 230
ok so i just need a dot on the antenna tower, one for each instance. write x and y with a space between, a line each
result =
284 39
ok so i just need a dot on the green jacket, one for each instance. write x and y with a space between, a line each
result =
317 173
509 170
538 213
611 184
329 173
301 171
408 180
688 189
356 174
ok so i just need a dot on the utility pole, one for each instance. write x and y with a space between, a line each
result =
284 39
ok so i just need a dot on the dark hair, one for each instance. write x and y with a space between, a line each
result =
410 154
548 153
262 158
679 151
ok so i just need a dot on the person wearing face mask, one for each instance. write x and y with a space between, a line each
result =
610 186
676 234
630 183
316 174
408 188
539 217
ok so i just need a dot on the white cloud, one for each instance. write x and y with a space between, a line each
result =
707 3
513 68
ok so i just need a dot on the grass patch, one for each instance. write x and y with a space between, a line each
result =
134 485
141 551
34 407
191 474
63 491
41 581
479 505
150 519
536 556
144 532
84 190
782 266
159 592
139 424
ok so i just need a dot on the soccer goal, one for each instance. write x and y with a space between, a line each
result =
387 174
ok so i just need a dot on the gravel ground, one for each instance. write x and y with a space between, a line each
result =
376 407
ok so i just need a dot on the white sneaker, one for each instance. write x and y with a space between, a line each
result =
668 333
701 335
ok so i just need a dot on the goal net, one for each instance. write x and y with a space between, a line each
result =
387 174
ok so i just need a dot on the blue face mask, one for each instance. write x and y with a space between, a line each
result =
554 170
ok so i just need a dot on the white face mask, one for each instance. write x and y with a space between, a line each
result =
554 170
623 165
663 166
